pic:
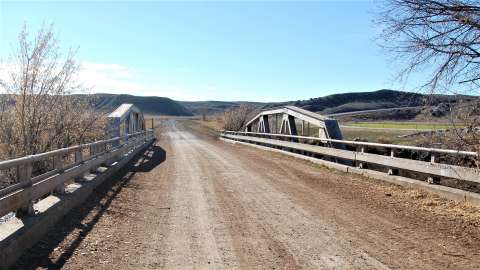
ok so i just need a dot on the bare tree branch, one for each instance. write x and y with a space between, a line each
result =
37 113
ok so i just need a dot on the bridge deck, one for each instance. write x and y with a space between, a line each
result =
194 202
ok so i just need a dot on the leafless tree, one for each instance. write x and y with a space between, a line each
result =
37 112
235 118
441 37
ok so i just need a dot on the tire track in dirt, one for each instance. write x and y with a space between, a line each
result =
386 229
197 237
287 224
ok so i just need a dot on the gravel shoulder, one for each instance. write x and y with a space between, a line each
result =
195 202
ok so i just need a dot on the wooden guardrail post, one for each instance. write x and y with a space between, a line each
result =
94 151
102 149
113 158
79 156
392 171
79 161
362 165
58 167
91 150
24 174
433 179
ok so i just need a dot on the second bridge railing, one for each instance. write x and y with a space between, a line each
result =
429 163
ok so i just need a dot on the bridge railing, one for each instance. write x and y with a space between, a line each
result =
430 162
68 164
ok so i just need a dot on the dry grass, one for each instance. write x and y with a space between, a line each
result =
209 128
401 125
215 123
428 201
440 205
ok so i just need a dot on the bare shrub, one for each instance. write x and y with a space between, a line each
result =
466 118
236 118
37 112
463 136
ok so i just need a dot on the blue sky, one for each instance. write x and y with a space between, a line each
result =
219 50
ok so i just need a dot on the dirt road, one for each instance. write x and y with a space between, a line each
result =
195 202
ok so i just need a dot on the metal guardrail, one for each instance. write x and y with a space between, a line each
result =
391 146
360 156
21 195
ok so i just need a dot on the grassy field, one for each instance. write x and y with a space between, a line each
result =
400 125
379 136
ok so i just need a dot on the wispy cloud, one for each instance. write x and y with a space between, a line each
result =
117 79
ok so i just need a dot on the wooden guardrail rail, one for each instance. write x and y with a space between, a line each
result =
357 153
20 196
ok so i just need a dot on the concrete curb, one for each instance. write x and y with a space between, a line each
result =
16 236
442 191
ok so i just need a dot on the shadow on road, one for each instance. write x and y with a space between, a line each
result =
151 159
68 234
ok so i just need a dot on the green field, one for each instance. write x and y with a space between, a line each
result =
400 125
378 136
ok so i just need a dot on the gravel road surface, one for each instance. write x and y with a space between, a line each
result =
193 202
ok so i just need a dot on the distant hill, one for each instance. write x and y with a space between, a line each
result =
381 99
215 107
149 105
337 103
